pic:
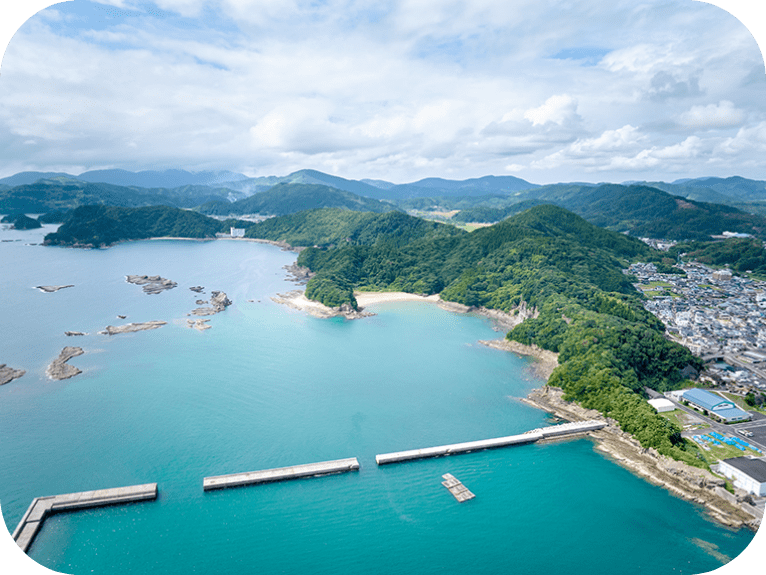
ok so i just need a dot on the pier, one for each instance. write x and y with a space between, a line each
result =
280 474
41 507
458 490
554 431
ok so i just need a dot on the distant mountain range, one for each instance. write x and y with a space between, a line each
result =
683 209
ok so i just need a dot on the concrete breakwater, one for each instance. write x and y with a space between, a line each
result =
41 507
280 474
554 431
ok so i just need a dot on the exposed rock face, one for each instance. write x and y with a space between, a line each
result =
218 302
9 374
296 299
51 289
298 274
71 333
152 284
132 327
198 289
60 369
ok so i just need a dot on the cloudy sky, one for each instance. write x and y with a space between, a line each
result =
546 90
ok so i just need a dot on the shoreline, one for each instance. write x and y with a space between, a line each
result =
690 483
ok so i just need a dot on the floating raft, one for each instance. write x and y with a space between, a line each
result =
554 431
280 474
41 507
458 490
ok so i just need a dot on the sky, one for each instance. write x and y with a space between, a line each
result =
545 90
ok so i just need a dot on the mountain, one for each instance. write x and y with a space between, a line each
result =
438 187
31 177
160 179
65 193
283 199
640 210
255 185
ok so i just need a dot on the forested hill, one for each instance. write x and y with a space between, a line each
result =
65 193
550 260
284 199
640 210
101 226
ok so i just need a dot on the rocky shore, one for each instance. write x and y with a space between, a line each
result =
296 299
60 369
132 327
546 361
690 483
8 374
152 284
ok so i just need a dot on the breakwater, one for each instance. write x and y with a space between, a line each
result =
41 507
280 474
554 431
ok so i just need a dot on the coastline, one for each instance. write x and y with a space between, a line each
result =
690 483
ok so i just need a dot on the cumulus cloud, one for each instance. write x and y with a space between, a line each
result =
721 115
556 109
397 90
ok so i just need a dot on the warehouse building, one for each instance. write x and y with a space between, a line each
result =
748 474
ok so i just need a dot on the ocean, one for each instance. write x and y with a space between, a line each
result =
268 386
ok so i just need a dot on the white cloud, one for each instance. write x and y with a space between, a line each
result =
557 109
721 115
389 90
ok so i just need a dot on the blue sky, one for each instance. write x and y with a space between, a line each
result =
544 90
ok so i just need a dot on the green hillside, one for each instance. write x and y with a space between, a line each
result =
284 199
66 193
101 226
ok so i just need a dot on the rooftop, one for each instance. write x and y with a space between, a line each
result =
755 468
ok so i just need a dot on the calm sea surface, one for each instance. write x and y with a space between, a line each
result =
268 387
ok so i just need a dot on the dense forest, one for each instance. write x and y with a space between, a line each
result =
101 226
284 199
740 254
640 210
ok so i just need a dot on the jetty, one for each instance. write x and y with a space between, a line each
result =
552 432
41 507
280 474
458 490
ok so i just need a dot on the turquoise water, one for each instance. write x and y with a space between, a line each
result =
267 387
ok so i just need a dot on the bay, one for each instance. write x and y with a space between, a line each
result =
267 386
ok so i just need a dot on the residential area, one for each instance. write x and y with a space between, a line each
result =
720 317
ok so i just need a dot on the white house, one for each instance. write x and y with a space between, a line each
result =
237 232
748 474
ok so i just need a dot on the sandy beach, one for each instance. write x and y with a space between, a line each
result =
372 297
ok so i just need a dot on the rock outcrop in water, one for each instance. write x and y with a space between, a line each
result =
51 289
8 374
152 284
132 327
219 301
60 369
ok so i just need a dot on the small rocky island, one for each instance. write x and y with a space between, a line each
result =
8 374
60 369
132 327
218 302
51 289
152 284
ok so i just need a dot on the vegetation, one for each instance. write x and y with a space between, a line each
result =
100 226
21 222
740 254
65 193
547 258
284 199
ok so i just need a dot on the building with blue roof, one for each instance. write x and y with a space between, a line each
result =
716 406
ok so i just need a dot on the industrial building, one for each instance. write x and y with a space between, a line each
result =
715 406
748 473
